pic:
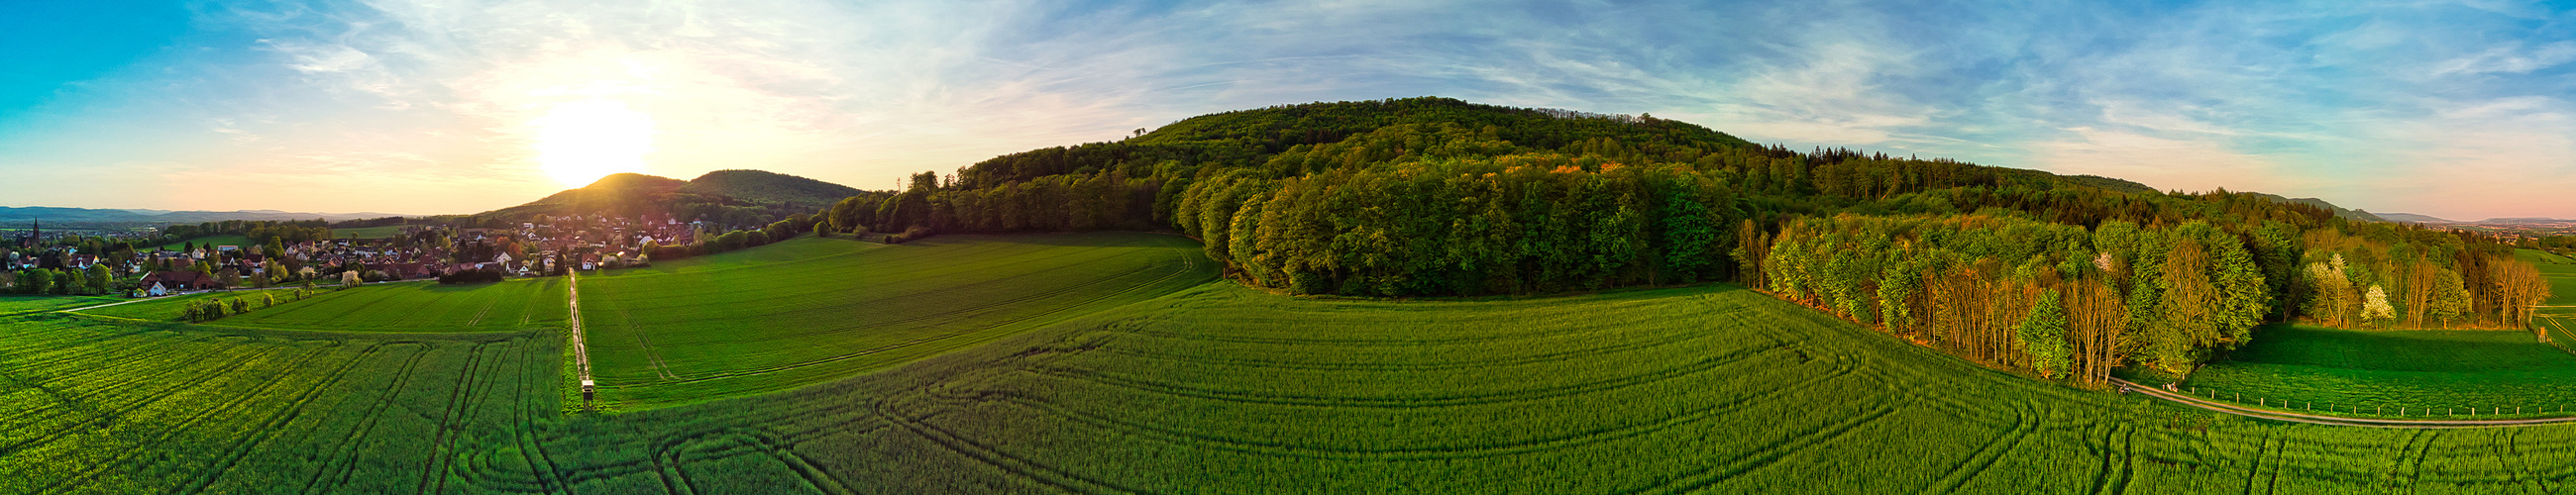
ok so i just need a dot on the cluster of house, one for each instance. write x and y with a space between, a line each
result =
552 243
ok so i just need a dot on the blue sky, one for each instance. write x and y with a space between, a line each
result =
2455 109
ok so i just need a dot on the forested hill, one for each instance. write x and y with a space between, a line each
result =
2060 276
769 187
727 197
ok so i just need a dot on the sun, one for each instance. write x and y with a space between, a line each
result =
580 141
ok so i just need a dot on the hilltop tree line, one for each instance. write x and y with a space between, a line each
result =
2062 276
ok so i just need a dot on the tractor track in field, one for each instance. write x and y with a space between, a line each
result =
268 429
192 421
344 455
2188 400
1670 340
460 402
1768 454
1284 449
1008 464
1704 365
1987 455
148 400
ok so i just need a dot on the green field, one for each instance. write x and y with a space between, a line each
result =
2389 370
2558 316
752 321
378 232
169 308
212 240
801 249
10 305
1213 388
93 406
518 304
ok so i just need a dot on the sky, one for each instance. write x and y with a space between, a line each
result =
2460 110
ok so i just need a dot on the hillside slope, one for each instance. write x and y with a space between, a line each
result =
731 197
768 187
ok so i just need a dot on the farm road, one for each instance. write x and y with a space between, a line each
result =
580 352
2188 400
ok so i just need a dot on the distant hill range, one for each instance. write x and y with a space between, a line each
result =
2414 218
88 215
733 196
2339 212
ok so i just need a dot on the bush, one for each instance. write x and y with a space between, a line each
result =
911 234
471 277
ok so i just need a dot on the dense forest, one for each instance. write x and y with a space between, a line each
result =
2063 276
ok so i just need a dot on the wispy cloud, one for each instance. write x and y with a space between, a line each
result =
2387 106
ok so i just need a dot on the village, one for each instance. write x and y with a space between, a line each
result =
545 246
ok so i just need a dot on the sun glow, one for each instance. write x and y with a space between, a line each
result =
580 141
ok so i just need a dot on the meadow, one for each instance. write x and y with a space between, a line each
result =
377 232
1212 388
2386 372
801 249
518 304
212 240
169 308
814 309
11 305
93 405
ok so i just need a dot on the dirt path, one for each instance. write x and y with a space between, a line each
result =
580 352
2188 400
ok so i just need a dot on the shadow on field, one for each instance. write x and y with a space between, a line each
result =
1088 239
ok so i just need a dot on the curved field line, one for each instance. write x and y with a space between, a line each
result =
1401 342
2188 400
1283 449
1986 456
447 427
149 399
266 430
348 447
757 442
1008 464
104 353
526 429
1668 339
1768 454
1704 365
191 422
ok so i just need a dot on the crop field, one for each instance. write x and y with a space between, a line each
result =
1212 389
10 305
212 240
801 249
756 323
378 232
2389 370
1709 389
516 304
169 308
110 406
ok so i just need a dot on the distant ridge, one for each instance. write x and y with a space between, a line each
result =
2523 220
769 187
2339 212
727 195
2413 218
65 214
